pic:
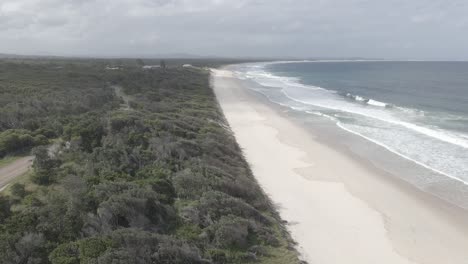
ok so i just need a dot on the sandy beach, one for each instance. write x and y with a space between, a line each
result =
339 210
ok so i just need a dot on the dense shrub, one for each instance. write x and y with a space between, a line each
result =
38 100
4 209
18 190
44 166
12 140
231 232
161 182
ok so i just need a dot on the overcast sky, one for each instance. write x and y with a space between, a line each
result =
421 29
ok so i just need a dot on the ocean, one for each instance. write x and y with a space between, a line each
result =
414 109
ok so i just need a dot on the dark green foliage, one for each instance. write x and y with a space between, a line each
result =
161 182
214 205
26 248
4 209
83 251
87 129
38 100
93 247
18 190
68 253
140 62
231 232
44 166
14 140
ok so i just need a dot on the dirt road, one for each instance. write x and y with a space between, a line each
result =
126 101
14 169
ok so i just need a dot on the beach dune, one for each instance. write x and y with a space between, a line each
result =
339 210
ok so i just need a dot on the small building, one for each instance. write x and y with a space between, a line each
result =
109 68
149 67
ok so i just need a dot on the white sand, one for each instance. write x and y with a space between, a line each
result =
340 211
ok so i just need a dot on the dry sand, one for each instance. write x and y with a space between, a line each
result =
340 210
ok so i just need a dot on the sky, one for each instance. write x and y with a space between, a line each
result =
392 29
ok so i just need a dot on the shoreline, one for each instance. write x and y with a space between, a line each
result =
387 219
286 112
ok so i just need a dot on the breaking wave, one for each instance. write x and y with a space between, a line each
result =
407 132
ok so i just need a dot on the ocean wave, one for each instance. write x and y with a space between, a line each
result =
342 126
439 134
377 103
410 111
270 80
367 101
263 64
322 115
329 99
436 141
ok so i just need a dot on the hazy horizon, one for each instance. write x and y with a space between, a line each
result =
394 29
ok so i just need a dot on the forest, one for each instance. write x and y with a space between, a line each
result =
146 169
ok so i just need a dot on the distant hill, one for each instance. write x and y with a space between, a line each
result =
17 56
182 56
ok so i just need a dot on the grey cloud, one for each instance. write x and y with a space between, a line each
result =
302 28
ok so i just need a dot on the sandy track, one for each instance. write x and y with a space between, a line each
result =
126 99
13 170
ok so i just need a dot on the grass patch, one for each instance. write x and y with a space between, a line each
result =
279 255
283 253
8 160
24 179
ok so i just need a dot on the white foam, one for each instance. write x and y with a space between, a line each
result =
400 154
332 102
322 115
360 99
402 118
372 102
268 79
439 134
376 103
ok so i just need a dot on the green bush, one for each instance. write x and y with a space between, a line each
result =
18 190
82 251
68 253
231 232
14 140
4 208
45 167
92 248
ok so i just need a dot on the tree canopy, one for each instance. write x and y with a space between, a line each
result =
161 182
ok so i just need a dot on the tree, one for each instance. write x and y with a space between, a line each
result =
4 208
18 190
44 166
140 62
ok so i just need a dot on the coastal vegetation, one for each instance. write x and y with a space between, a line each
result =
160 180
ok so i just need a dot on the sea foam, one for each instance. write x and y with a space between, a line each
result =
391 127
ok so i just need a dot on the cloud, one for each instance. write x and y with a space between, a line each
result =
378 28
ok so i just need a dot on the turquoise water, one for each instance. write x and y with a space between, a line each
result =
417 110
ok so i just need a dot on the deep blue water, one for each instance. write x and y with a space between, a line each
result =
418 110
